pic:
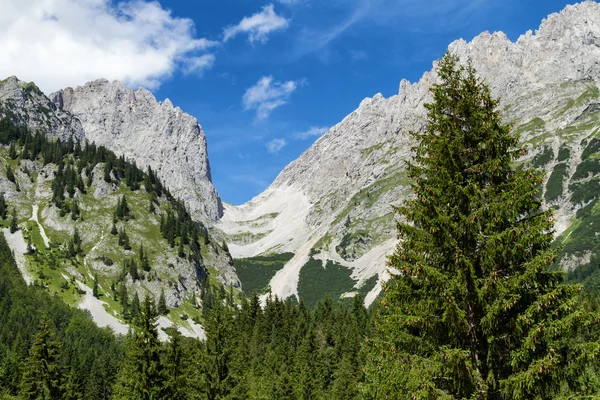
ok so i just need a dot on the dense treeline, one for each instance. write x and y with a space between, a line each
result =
282 351
48 347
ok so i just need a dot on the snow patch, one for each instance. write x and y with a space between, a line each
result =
99 314
17 244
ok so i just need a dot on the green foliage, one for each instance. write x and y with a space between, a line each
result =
42 375
318 281
586 168
474 311
554 186
123 212
593 147
162 304
3 207
543 158
141 376
255 273
10 175
585 191
14 223
48 348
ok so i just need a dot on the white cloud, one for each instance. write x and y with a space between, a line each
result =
257 26
275 145
267 95
313 131
200 64
59 43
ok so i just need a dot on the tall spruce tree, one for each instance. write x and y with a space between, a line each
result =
14 223
3 207
142 377
473 311
42 375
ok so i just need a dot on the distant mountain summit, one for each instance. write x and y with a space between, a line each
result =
333 204
152 133
130 123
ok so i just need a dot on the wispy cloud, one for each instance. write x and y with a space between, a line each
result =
258 26
275 145
312 132
266 95
197 65
137 42
402 15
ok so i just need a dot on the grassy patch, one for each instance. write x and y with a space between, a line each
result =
317 282
369 150
368 196
247 237
255 273
535 125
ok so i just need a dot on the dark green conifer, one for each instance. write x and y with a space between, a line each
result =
135 307
141 377
14 223
162 303
42 375
474 311
12 151
10 175
95 288
3 207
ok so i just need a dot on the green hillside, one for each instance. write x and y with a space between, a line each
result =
91 218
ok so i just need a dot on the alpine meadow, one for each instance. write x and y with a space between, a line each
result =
438 242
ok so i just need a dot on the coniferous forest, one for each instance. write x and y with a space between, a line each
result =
476 308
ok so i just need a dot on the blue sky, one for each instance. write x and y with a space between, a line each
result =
264 78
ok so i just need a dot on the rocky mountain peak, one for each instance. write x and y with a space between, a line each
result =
152 133
340 191
24 103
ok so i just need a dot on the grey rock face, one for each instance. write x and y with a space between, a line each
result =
152 133
24 103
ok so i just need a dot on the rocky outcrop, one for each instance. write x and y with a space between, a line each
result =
352 174
24 103
152 133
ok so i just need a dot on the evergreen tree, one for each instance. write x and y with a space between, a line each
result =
3 207
135 307
113 229
10 175
144 262
12 151
95 288
75 211
124 239
162 303
474 311
42 375
141 377
77 241
124 299
14 223
181 250
174 368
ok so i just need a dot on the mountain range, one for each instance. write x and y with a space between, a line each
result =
325 226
